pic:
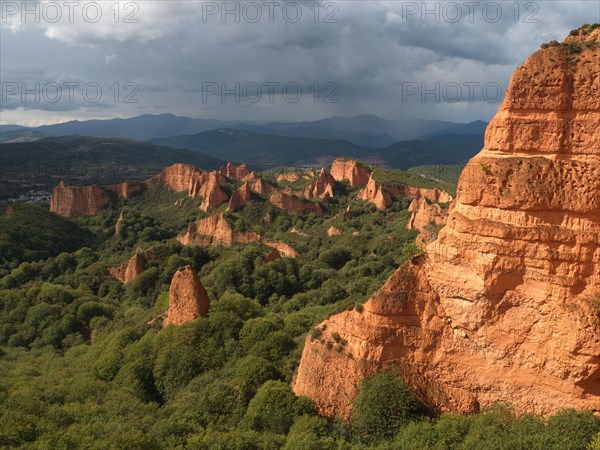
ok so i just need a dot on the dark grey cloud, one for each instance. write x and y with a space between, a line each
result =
372 52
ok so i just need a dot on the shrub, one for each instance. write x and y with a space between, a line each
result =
271 409
87 311
309 433
571 429
383 405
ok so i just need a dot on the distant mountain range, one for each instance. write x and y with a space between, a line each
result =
22 135
168 138
242 145
368 131
84 159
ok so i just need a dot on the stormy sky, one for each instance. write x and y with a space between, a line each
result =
270 60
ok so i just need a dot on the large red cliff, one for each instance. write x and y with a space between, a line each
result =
178 177
71 201
501 306
351 171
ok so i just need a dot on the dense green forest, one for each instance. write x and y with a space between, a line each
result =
84 362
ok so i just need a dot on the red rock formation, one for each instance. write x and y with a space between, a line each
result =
262 187
424 215
283 248
241 172
251 176
223 171
185 177
178 177
129 270
435 195
234 172
352 171
288 176
118 224
322 187
294 204
216 230
333 231
381 194
240 197
375 194
208 187
127 189
298 232
188 299
10 211
231 170
499 309
70 201
273 255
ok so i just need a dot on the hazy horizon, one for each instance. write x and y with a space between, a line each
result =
234 120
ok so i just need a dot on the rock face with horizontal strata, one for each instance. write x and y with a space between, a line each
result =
188 299
499 309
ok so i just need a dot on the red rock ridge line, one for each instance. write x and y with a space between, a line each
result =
70 201
382 194
215 230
